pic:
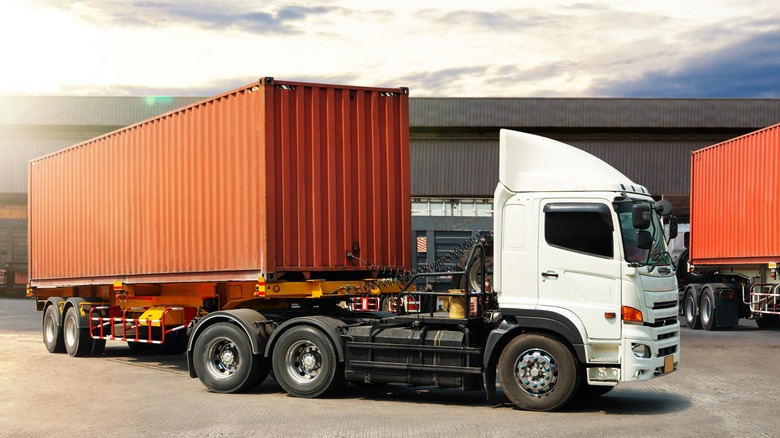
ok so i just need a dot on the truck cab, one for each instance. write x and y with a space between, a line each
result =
573 257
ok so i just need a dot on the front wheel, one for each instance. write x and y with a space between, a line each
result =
224 362
538 373
305 363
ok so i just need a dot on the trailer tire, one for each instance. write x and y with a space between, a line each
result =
78 343
224 361
305 363
691 308
52 333
770 322
707 309
538 372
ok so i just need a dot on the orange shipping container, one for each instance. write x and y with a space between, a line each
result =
272 178
735 200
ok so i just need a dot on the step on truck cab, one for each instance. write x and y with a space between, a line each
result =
583 297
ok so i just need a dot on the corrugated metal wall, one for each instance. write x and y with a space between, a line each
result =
469 167
739 180
453 141
593 113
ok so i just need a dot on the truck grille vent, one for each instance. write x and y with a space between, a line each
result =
667 336
663 322
664 305
667 351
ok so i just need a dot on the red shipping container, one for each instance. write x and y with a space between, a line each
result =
272 178
735 200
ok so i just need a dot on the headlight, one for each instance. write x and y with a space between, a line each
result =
641 351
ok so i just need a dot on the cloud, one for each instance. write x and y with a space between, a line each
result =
749 68
242 16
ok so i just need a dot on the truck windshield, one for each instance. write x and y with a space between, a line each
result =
657 254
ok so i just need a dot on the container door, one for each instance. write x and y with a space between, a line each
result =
579 265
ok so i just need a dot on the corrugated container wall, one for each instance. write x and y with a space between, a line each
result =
272 178
735 200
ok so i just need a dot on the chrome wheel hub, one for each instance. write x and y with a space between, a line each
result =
536 371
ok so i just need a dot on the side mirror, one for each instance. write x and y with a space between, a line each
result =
663 207
672 227
641 215
644 239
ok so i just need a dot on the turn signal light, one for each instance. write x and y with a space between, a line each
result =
631 315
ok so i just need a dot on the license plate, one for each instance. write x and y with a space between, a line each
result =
668 364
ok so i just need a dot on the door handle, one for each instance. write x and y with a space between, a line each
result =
550 274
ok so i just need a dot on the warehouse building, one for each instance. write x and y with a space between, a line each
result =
454 151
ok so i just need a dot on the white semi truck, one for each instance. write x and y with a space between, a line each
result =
253 229
584 296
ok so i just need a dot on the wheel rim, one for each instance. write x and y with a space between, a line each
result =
69 330
706 310
536 371
223 358
303 361
474 276
50 331
690 311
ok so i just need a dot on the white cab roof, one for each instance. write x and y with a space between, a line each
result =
530 163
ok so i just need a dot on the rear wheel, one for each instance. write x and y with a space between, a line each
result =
305 363
691 309
52 333
768 322
77 340
538 373
224 361
707 309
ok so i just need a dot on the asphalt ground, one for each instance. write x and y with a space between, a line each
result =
727 386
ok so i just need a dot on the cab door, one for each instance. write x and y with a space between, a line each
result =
579 263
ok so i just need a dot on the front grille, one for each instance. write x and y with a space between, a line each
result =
663 322
667 336
664 305
667 351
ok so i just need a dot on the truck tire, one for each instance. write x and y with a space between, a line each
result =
223 359
538 373
771 322
52 333
305 363
691 307
707 309
472 279
78 343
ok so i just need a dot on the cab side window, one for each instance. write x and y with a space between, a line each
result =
583 228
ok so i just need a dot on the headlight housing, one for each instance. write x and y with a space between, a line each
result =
641 351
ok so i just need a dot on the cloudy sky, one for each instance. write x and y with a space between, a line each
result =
445 48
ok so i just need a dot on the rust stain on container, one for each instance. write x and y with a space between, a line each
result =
735 200
272 178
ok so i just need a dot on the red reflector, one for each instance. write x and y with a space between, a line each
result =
610 315
727 294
